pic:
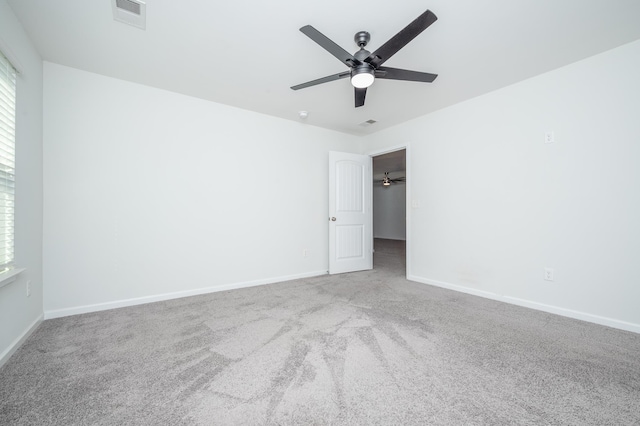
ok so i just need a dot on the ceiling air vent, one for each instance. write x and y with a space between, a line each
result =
367 123
132 12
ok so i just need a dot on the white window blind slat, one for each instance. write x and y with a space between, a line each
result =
6 107
5 116
6 153
7 160
5 148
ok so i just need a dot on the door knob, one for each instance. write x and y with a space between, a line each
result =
333 219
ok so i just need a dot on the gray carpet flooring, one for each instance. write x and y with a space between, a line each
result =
361 348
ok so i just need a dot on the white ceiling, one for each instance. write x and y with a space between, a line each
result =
247 53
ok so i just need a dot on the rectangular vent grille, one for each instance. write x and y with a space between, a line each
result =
132 12
129 6
367 123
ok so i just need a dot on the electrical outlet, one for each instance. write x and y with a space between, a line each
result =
548 274
549 137
305 252
28 288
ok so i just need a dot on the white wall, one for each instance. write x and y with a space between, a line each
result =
151 194
20 314
135 210
389 211
498 205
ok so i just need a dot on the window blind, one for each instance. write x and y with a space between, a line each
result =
7 160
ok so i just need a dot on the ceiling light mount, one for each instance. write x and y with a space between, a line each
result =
362 38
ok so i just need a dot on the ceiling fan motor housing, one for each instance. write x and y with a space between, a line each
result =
361 72
362 54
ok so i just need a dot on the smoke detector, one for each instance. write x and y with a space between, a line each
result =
132 12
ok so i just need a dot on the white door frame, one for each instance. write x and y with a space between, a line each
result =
407 148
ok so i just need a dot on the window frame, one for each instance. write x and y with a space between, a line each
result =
8 103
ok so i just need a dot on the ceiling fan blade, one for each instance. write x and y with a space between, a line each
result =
360 95
322 80
328 45
401 39
399 74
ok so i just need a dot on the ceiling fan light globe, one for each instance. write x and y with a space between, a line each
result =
362 81
362 77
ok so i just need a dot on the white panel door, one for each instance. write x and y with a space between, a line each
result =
350 213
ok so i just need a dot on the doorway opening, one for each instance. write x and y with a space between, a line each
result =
390 210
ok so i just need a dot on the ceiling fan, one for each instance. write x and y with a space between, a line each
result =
386 181
365 66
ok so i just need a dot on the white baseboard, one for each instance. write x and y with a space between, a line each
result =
15 345
57 313
596 319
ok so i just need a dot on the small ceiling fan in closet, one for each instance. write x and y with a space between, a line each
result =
364 66
386 181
